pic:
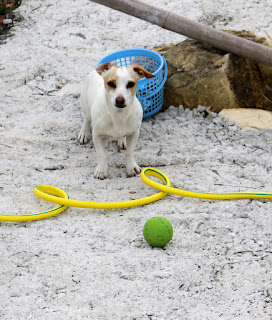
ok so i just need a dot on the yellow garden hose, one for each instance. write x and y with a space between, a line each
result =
56 195
212 196
41 215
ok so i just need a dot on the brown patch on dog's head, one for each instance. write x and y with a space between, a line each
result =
142 72
102 68
108 71
133 83
110 79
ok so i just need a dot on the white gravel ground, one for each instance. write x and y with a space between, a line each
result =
95 264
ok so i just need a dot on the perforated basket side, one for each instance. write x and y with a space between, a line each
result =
153 104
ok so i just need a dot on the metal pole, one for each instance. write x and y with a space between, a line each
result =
171 21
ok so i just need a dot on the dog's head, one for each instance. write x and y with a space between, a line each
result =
121 82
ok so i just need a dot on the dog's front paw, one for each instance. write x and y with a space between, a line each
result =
122 144
101 172
83 136
133 170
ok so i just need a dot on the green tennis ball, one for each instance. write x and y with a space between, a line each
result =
158 231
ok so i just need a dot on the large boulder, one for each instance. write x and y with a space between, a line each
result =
200 74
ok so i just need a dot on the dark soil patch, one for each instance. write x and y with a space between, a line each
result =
8 15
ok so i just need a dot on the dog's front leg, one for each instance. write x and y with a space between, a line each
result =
122 144
85 132
131 165
101 171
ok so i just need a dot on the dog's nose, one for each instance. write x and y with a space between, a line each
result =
120 102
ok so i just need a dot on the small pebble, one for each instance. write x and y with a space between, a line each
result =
7 21
58 107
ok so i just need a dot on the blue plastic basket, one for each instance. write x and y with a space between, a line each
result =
149 91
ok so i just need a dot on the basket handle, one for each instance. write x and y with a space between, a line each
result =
165 69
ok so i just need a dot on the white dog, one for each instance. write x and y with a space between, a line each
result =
110 107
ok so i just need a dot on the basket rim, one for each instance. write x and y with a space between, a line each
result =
140 51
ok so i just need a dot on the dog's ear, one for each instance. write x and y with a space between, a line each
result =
142 72
104 67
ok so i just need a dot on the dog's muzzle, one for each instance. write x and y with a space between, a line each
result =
120 102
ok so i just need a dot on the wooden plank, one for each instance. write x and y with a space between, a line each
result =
171 21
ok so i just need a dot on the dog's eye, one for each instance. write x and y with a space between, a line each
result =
130 84
111 84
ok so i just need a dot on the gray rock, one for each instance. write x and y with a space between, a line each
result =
203 75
